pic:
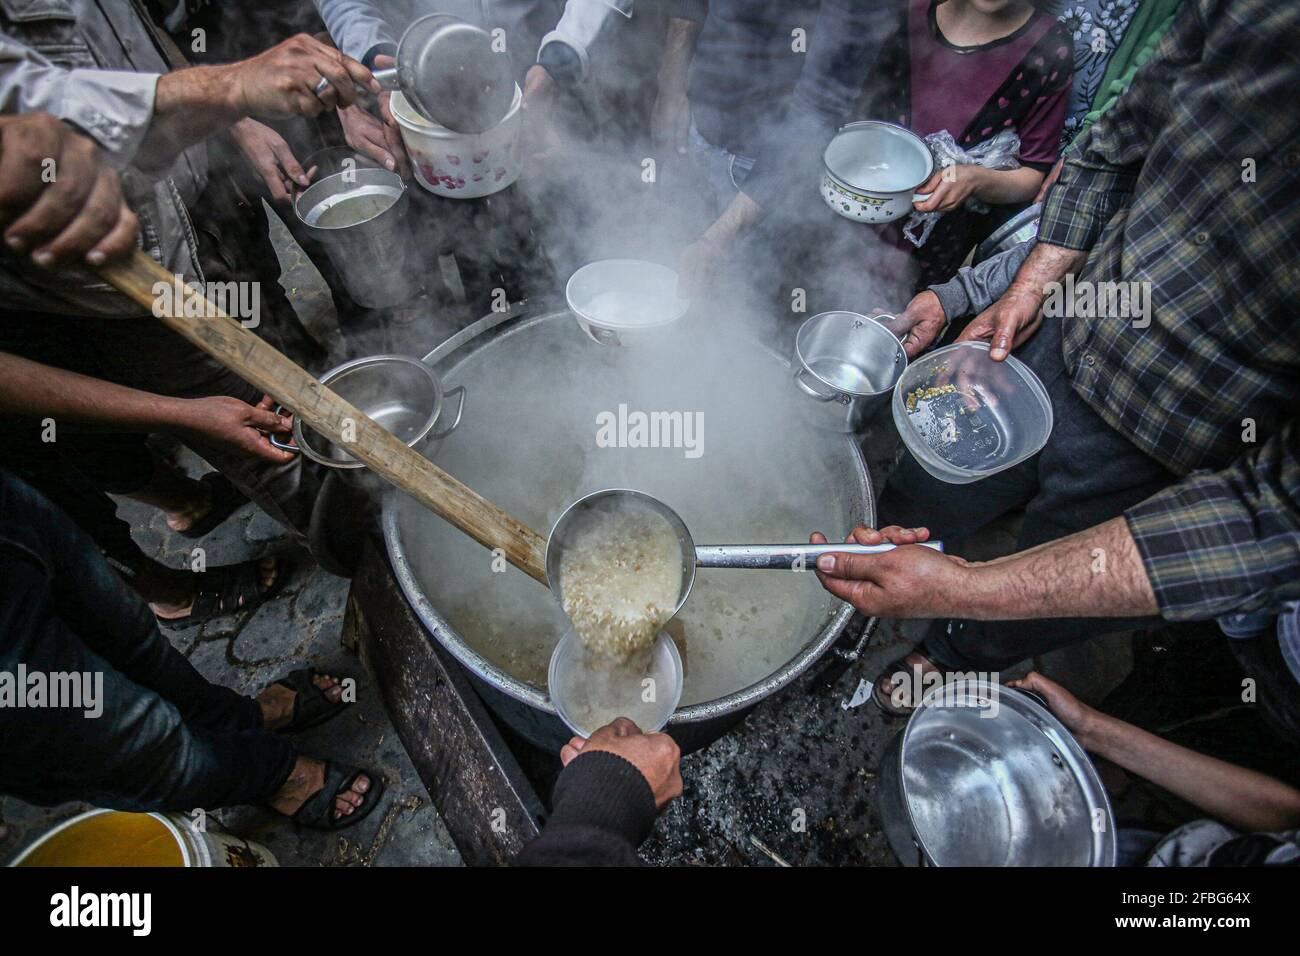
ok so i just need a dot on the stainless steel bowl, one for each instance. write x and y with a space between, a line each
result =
846 365
982 775
401 394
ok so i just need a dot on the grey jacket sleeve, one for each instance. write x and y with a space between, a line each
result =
974 288
358 26
114 107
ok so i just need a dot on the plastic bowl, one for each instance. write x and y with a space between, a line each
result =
461 165
969 416
587 698
624 301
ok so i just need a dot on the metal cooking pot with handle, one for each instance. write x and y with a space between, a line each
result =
400 393
984 775
846 365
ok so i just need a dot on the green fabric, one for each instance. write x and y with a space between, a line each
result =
1144 31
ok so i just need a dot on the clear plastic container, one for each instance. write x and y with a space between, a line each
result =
964 416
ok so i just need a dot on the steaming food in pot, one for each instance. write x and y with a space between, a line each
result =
747 469
620 578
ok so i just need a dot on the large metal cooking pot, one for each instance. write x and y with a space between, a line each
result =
530 443
983 775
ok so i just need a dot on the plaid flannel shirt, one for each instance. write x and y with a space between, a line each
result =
1191 183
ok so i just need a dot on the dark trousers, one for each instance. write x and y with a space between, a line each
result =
164 737
1087 473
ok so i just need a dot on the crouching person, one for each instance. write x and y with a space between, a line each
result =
612 787
145 731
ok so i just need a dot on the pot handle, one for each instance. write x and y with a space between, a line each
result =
810 390
280 443
459 390
921 197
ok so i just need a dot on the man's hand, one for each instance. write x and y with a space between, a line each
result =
235 426
1078 717
1007 323
920 323
270 157
57 197
657 755
281 82
903 583
375 139
950 187
670 122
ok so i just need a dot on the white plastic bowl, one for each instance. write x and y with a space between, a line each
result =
567 676
994 415
461 165
624 301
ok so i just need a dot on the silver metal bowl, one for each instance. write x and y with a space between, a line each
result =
982 775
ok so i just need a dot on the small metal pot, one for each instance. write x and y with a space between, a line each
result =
847 365
870 169
359 215
400 393
984 775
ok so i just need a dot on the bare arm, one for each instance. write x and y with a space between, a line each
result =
1241 798
1017 314
1095 573
1007 186
670 121
31 390
192 104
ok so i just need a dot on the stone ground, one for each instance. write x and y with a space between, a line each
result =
795 782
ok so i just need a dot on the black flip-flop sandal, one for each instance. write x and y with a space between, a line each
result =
226 500
310 705
884 701
226 590
318 810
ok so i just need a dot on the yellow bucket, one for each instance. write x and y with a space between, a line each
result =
115 838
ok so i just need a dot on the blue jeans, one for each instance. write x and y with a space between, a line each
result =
165 738
724 171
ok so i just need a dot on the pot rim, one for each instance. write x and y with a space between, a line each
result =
363 362
403 111
441 630
876 193
392 209
1085 773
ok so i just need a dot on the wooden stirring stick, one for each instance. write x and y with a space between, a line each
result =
263 366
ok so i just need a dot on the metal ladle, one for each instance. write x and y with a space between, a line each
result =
448 71
567 664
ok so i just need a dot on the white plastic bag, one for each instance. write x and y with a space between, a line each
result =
998 152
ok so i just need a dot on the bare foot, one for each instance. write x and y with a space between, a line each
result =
307 779
892 684
269 568
277 700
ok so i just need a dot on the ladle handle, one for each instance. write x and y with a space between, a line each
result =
202 324
783 557
387 79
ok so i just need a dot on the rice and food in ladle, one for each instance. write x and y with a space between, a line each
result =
620 581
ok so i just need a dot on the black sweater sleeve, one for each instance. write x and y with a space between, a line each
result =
603 809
